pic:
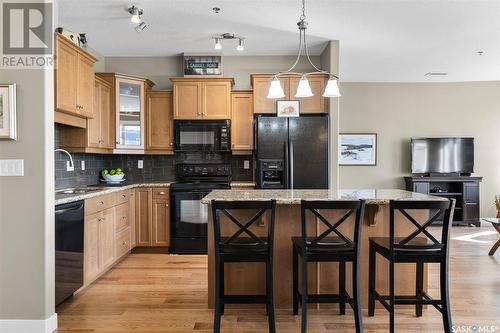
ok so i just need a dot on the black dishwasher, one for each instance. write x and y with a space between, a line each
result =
69 249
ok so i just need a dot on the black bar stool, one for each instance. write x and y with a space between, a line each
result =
337 248
243 246
418 250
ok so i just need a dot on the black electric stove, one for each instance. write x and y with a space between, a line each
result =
189 217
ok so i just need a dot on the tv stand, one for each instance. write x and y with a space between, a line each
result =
464 189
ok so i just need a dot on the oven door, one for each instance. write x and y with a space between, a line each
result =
190 215
202 135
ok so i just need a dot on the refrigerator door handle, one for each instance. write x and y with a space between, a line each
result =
286 166
291 165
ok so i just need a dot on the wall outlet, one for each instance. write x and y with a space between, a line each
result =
69 167
82 165
246 164
140 164
10 168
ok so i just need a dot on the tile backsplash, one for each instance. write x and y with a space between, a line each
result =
155 167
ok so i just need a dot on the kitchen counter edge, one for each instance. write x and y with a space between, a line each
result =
107 190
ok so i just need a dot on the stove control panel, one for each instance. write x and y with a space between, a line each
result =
203 170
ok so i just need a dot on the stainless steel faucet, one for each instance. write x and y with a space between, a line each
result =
71 164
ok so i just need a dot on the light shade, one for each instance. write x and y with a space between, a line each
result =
304 89
275 89
332 89
217 45
136 18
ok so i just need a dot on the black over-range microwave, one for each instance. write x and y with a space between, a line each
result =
202 135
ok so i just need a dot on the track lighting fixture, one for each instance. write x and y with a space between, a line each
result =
226 36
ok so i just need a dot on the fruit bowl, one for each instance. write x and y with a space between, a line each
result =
113 178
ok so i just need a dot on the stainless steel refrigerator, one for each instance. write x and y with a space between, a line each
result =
292 153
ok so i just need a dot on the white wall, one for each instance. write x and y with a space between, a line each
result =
399 111
160 69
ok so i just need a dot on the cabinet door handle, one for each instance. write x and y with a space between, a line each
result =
171 143
124 243
99 220
161 193
166 205
123 196
101 202
124 217
199 114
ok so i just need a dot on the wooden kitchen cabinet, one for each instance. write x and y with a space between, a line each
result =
160 226
98 136
74 83
99 250
159 122
242 121
143 211
152 217
107 232
197 98
128 95
314 104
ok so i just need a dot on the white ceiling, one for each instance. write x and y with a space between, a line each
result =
380 40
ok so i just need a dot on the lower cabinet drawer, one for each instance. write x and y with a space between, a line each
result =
100 203
122 216
122 197
122 243
160 192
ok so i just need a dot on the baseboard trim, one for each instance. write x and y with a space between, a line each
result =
48 325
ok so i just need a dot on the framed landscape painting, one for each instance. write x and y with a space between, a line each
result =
358 149
8 112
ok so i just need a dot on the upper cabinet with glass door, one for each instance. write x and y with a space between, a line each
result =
130 105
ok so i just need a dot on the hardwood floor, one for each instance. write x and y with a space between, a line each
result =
163 293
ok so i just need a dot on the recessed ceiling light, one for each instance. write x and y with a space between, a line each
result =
216 10
136 14
436 74
480 53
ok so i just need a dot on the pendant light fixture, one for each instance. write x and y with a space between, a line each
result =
304 89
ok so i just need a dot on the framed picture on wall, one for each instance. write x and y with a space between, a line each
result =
288 108
8 112
358 149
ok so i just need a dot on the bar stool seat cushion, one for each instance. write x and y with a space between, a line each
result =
327 244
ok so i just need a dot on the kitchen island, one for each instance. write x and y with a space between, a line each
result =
248 278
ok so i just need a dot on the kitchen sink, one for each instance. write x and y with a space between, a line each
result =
78 190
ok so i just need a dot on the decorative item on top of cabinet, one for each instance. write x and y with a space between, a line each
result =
129 109
152 217
201 99
242 122
98 136
159 122
74 83
314 104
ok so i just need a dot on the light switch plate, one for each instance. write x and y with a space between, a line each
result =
246 164
140 164
11 168
82 165
69 167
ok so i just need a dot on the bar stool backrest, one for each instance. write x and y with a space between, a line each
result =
421 239
243 234
338 239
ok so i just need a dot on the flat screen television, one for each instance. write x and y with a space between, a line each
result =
442 155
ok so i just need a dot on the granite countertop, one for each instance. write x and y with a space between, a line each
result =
66 198
291 197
